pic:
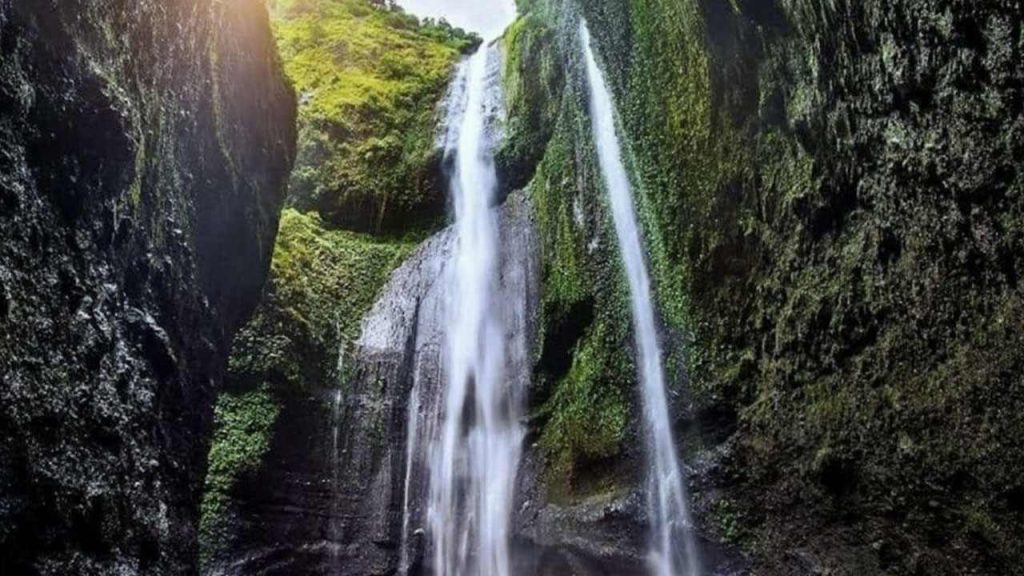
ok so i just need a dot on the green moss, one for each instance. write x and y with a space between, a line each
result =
587 415
533 79
730 521
682 151
674 142
243 425
562 231
368 80
322 283
853 306
585 371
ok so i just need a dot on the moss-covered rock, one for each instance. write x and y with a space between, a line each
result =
533 82
243 423
322 282
144 148
882 254
366 187
831 198
369 79
296 347
582 400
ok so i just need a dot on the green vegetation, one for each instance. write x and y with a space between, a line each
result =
584 395
243 423
835 234
533 81
663 77
834 231
369 78
585 371
322 282
588 412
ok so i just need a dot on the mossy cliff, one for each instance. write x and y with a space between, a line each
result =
144 149
831 197
585 401
369 80
365 190
286 367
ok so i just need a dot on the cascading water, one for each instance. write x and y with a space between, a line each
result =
673 547
336 416
475 453
411 442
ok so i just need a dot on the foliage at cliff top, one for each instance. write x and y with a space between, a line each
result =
369 78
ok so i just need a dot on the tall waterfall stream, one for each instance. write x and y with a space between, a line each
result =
464 430
673 547
476 436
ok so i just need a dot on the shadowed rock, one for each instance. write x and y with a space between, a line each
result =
144 148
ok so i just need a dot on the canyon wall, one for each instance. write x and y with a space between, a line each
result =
831 195
144 150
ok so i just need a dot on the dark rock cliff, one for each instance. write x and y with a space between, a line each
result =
865 291
831 197
144 147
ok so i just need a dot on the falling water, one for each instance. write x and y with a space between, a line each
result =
476 451
673 549
411 442
335 468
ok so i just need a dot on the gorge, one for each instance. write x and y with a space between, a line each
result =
689 288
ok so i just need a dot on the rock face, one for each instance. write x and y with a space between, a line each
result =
330 495
144 147
867 294
832 203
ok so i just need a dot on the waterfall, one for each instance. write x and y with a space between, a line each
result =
411 443
673 547
475 453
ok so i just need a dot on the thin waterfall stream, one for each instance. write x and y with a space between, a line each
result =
673 546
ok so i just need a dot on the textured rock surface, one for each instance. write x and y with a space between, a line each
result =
328 496
861 300
144 148
831 195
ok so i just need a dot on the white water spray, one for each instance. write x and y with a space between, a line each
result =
476 452
673 548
